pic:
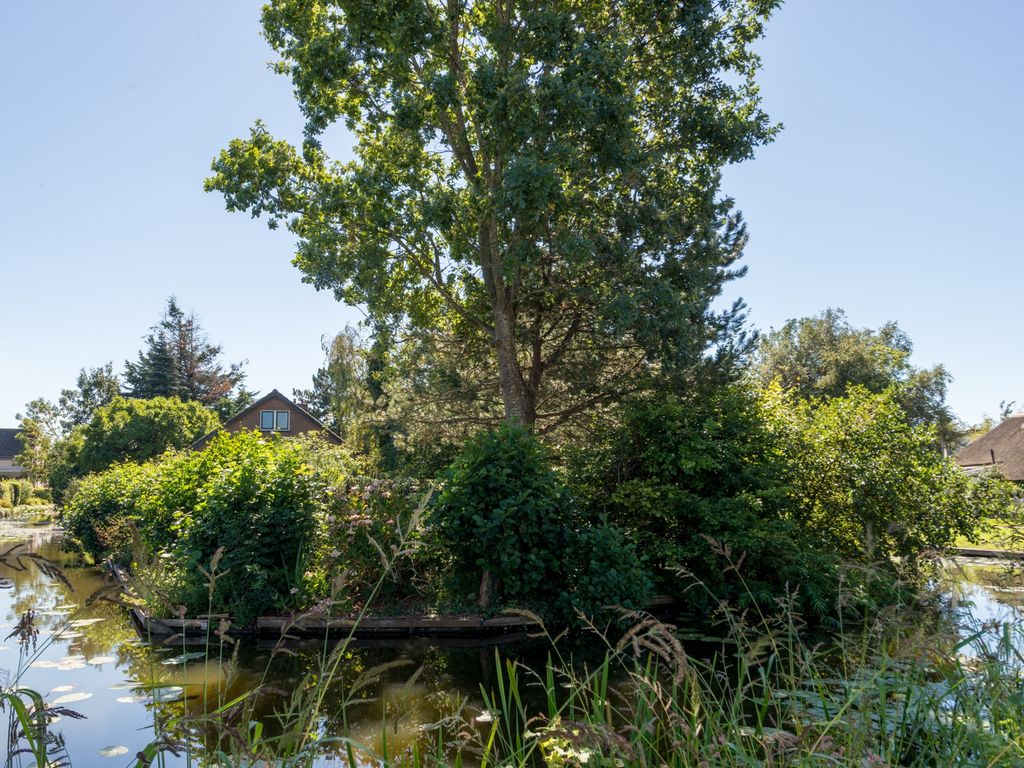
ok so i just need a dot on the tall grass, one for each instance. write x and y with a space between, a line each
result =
896 691
903 689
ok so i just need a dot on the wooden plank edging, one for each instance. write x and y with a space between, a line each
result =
312 626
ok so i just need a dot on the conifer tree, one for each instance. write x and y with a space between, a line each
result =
178 360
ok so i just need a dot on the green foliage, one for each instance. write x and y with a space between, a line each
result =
138 430
38 429
369 522
256 498
126 429
535 189
756 494
698 484
15 493
869 484
348 396
260 499
95 517
821 357
504 515
94 388
179 361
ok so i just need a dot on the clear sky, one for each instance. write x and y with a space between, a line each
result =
893 191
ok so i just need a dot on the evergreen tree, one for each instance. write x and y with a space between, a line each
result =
178 360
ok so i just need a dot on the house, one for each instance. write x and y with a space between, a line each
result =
1001 448
10 447
273 414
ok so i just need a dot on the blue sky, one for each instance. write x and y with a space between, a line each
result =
892 192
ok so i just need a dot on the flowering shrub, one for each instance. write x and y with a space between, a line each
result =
372 528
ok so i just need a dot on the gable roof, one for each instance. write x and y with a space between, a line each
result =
1005 443
10 445
271 395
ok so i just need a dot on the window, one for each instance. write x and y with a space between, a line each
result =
275 421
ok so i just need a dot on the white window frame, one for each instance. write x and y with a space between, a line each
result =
275 416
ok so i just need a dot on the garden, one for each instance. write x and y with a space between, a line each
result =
731 547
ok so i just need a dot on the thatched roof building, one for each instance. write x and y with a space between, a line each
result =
1001 448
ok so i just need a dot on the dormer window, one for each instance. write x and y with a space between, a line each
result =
275 421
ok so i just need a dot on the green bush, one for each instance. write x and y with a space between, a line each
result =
504 516
257 499
15 493
97 515
700 485
370 521
126 429
786 489
870 485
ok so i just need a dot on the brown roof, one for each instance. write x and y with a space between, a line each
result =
1005 443
331 434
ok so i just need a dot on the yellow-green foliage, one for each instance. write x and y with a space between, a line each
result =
262 500
16 493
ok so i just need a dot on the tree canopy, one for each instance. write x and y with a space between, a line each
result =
823 356
179 361
535 188
94 388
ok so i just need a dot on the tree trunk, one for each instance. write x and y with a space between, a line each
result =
485 594
520 406
510 379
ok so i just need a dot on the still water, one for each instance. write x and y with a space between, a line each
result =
90 659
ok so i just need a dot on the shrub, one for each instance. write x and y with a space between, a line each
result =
369 523
870 485
792 488
96 516
509 526
699 485
15 493
127 429
258 500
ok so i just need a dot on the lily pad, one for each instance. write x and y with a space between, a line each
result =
71 698
113 751
84 622
167 693
123 686
185 657
134 699
70 666
44 664
97 660
63 688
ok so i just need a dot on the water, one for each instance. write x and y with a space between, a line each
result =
91 657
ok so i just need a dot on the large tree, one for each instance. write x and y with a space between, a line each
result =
94 388
179 361
534 185
823 356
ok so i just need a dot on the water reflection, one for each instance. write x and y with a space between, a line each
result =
384 695
90 659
